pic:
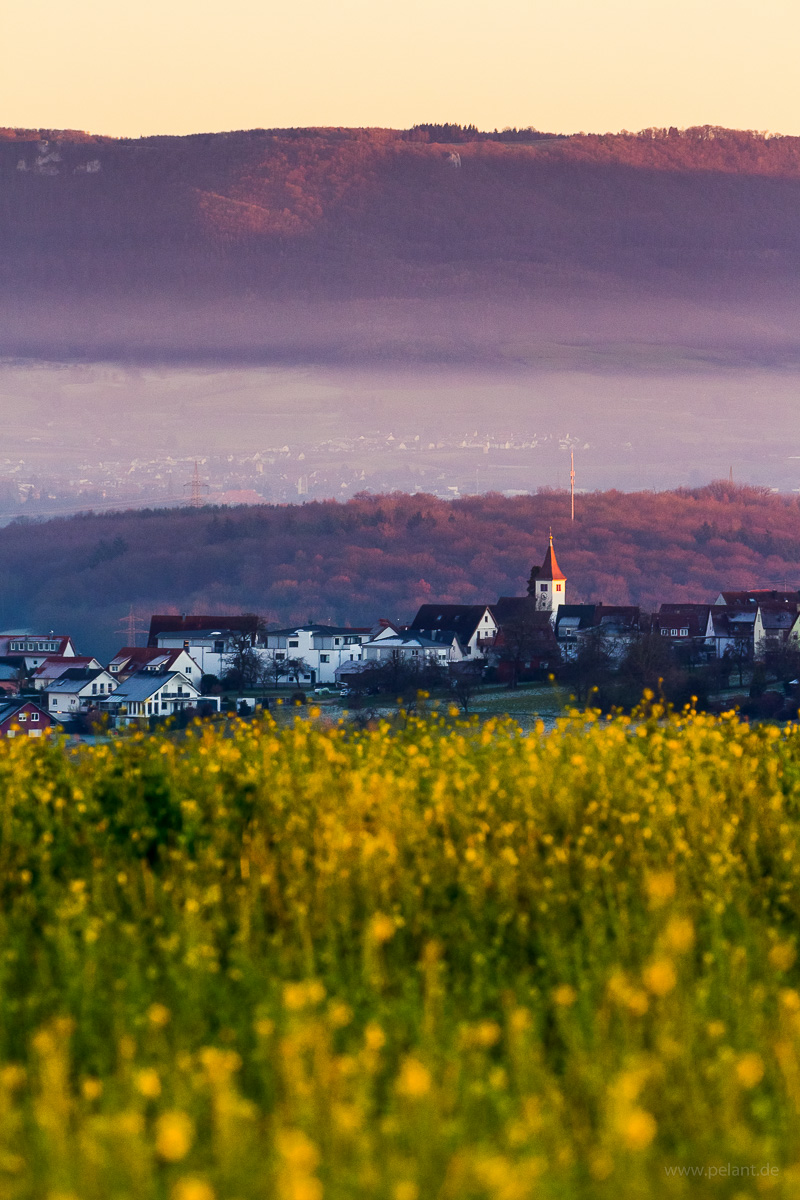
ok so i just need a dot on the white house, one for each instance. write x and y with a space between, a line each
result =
410 644
475 625
131 659
148 694
55 666
77 690
324 648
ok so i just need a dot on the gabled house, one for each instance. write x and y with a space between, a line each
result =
77 690
731 631
148 694
24 718
54 667
475 625
131 659
31 650
210 648
409 644
617 624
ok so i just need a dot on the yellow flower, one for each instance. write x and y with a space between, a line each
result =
148 1083
406 1190
192 1189
174 1136
660 887
374 1037
750 1070
381 928
638 1128
679 934
564 995
414 1080
782 956
158 1015
715 1029
660 978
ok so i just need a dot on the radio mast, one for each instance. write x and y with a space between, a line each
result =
572 484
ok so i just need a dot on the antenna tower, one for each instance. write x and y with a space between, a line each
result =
199 489
572 484
130 627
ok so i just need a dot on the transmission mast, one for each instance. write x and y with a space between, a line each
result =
572 484
199 488
130 627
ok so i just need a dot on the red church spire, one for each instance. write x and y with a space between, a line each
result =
550 568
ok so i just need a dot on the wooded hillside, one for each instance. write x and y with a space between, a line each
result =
361 212
385 555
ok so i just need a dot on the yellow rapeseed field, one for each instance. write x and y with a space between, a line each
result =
434 959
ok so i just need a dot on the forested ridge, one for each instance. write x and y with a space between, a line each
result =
357 211
382 556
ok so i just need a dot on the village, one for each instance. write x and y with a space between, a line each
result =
201 665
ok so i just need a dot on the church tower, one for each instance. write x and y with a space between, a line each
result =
549 583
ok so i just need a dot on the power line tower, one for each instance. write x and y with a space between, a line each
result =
572 484
199 488
130 627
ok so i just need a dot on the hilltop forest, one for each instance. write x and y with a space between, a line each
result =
382 556
434 213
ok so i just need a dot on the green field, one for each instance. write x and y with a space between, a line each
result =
433 959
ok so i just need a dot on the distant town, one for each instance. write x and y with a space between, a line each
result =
464 464
195 664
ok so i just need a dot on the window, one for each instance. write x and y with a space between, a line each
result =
324 658
22 717
337 641
94 689
674 632
665 633
684 633
558 587
279 654
293 645
542 587
34 716
219 647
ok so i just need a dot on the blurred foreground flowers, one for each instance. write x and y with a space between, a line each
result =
434 959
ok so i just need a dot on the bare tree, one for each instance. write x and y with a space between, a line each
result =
464 680
242 662
274 668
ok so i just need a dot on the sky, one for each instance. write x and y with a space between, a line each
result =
185 66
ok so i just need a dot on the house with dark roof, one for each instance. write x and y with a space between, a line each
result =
24 717
130 659
183 623
77 690
149 694
54 667
475 625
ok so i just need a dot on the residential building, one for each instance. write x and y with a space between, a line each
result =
31 650
54 667
24 718
475 625
323 648
77 690
131 659
442 647
148 694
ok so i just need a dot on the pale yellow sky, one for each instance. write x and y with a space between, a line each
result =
182 66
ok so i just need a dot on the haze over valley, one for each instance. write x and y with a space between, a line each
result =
312 313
